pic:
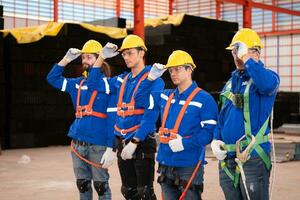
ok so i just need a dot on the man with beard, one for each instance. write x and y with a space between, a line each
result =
241 139
91 142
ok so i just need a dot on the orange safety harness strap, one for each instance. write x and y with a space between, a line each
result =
87 110
130 106
96 165
173 132
183 194
125 131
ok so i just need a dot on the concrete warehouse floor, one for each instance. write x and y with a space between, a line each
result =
49 176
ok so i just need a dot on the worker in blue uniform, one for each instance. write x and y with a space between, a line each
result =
188 119
134 130
92 143
243 124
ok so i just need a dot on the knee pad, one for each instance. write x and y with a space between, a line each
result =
83 185
146 193
129 193
100 187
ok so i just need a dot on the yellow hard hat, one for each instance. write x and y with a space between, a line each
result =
179 58
247 36
133 41
91 46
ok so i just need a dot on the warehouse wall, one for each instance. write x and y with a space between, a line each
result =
282 54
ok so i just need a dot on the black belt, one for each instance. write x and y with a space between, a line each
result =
150 135
81 143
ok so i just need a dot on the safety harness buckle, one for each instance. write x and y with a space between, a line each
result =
165 135
245 154
88 110
124 105
238 100
120 112
130 110
123 132
78 113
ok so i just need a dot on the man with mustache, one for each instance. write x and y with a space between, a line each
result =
91 141
246 105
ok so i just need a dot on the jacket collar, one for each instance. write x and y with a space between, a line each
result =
187 92
146 69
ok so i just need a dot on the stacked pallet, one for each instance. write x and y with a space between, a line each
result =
2 83
204 39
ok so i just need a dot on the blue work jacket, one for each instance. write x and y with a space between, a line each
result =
89 129
196 127
262 95
147 124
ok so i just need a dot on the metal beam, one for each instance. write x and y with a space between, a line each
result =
138 28
218 9
55 10
171 7
118 8
247 14
273 17
266 7
275 33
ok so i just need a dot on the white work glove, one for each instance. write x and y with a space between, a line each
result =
156 71
109 51
242 49
217 149
108 158
72 54
176 144
128 151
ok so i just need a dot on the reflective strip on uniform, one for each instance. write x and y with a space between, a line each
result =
151 102
106 85
120 79
192 103
112 109
85 87
210 121
165 97
64 85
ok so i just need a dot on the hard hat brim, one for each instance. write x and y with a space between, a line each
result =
122 49
229 48
192 65
86 52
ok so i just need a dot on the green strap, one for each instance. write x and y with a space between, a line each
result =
244 143
235 177
259 150
259 138
246 108
227 94
225 168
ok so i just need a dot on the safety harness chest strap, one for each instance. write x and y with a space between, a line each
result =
87 110
129 106
173 132
128 109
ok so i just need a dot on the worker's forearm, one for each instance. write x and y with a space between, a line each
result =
63 62
99 62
